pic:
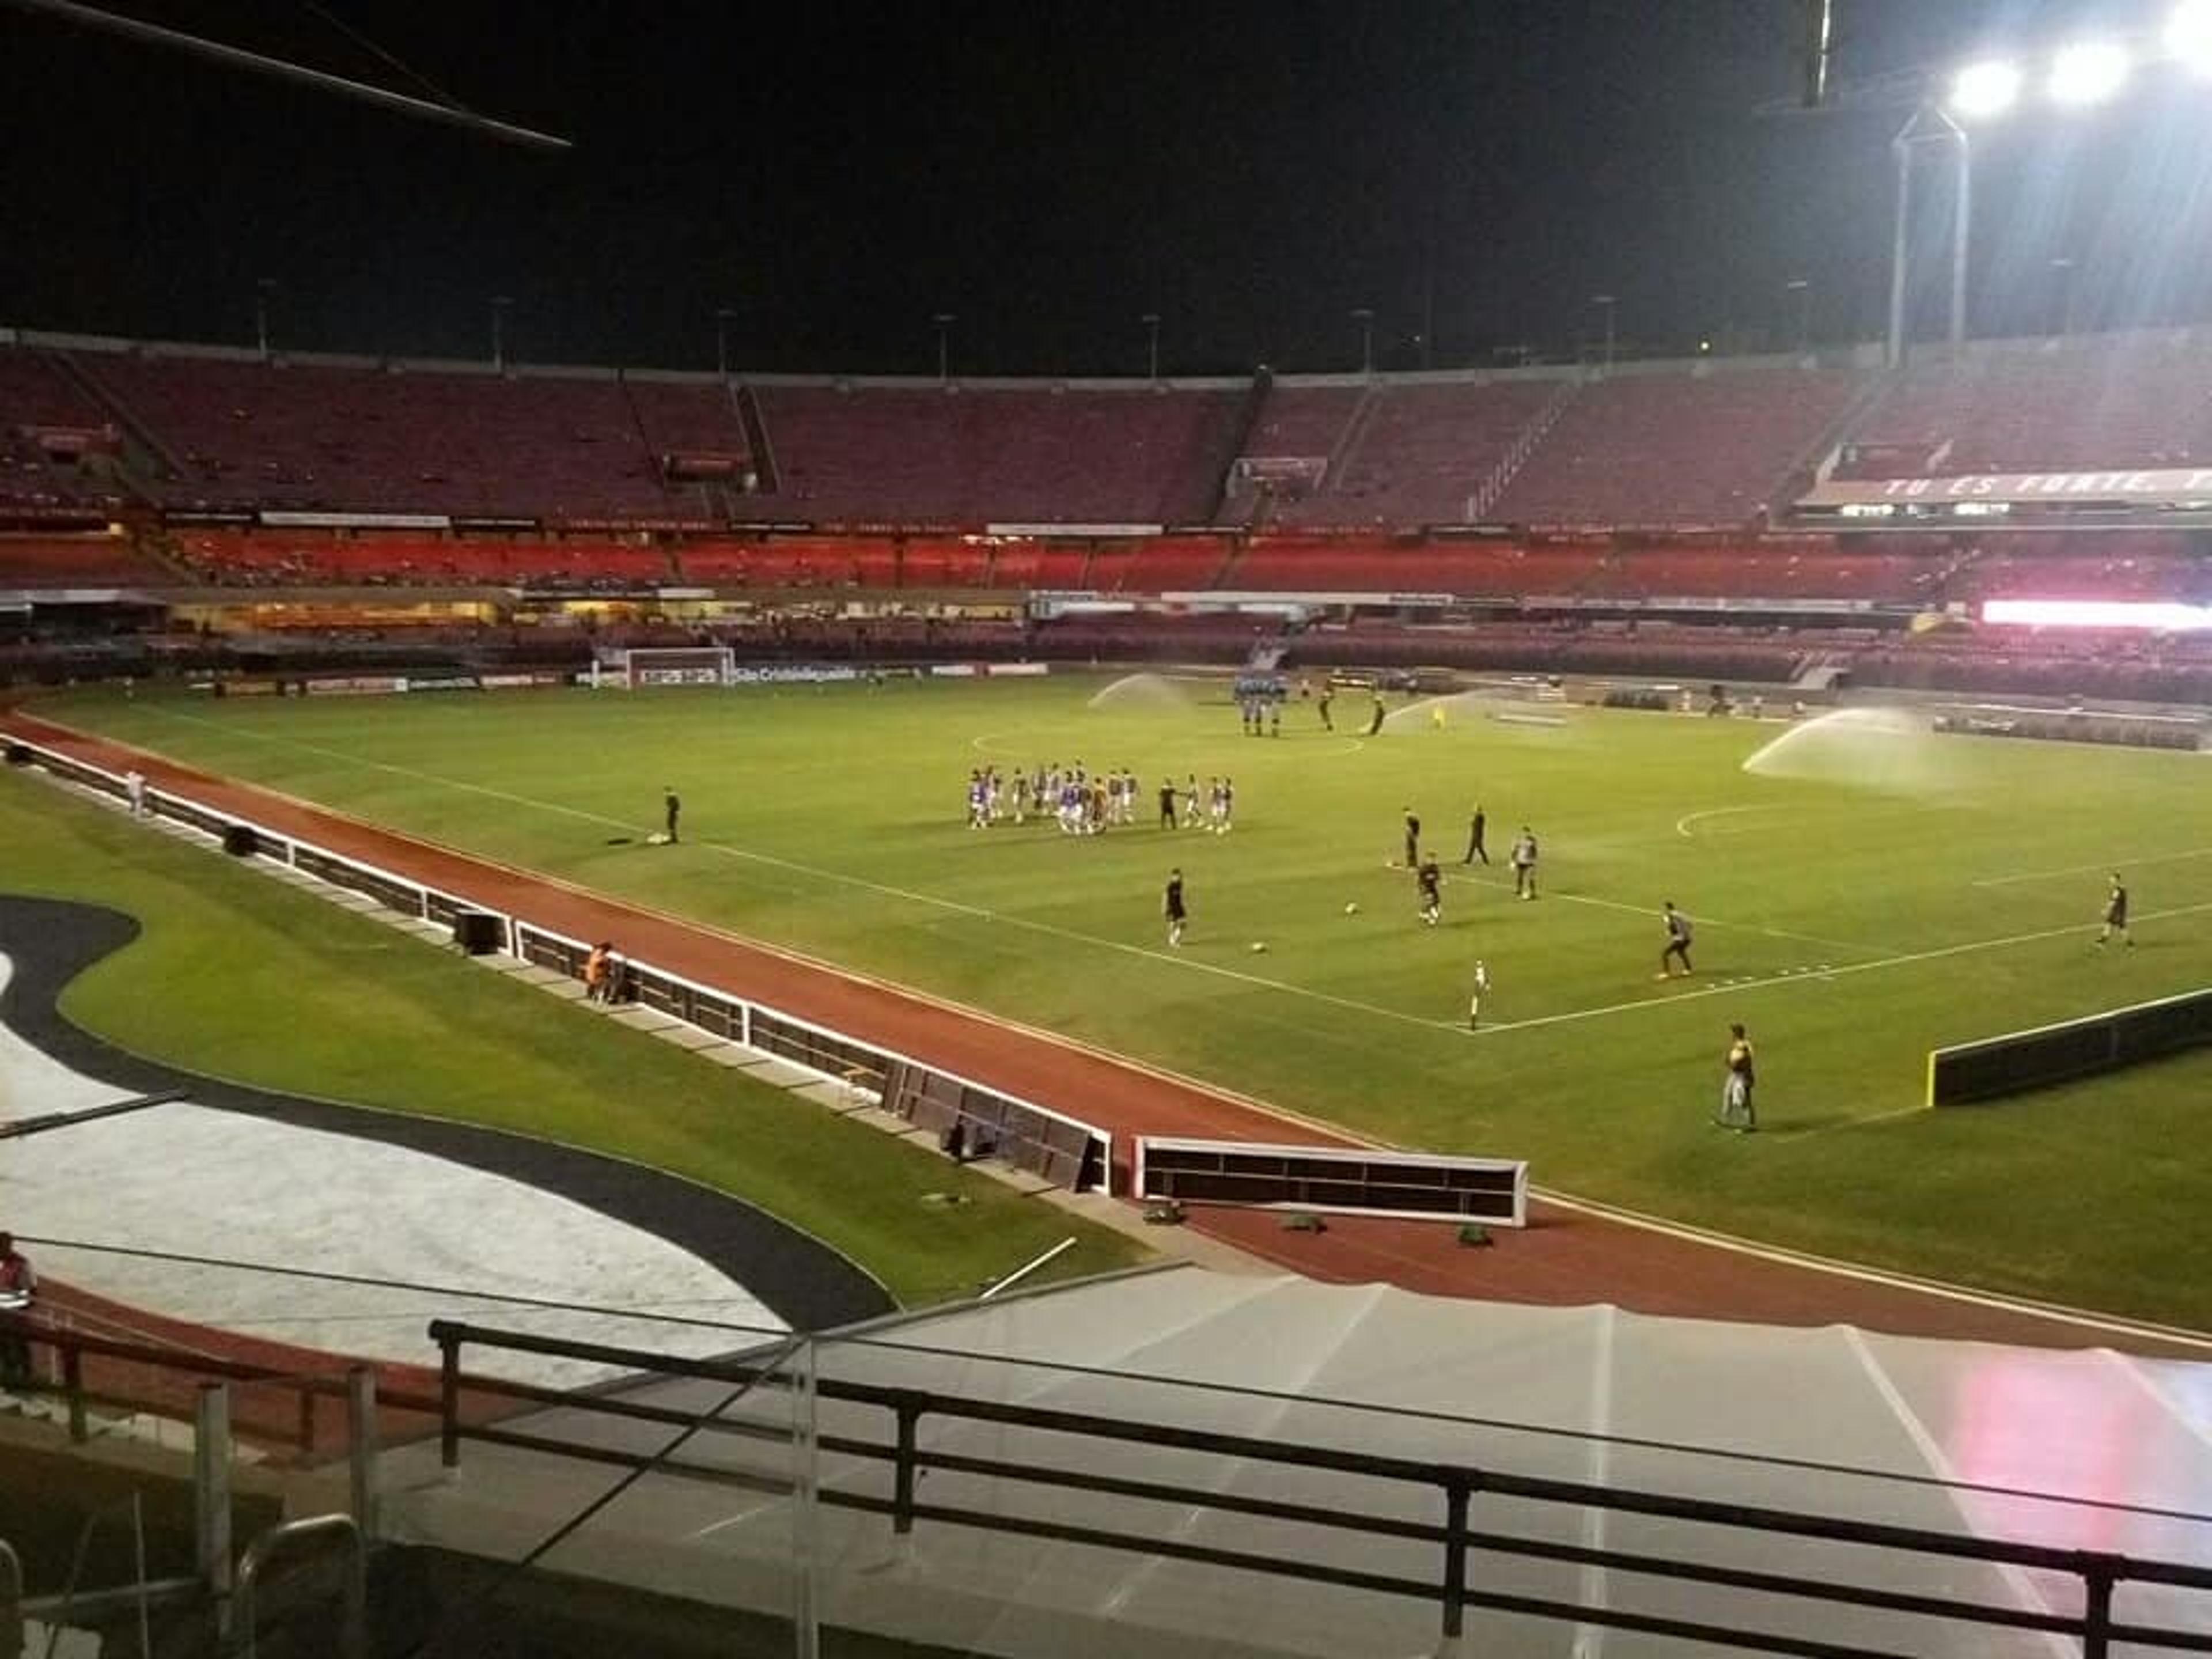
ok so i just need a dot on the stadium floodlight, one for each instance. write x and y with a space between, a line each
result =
2189 36
1984 90
2088 72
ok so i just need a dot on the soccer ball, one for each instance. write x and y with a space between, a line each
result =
1259 947
1351 909
656 839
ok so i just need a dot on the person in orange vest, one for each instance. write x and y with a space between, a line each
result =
19 1284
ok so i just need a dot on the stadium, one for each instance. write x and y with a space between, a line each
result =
805 1011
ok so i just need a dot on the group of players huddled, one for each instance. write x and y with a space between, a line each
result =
1085 803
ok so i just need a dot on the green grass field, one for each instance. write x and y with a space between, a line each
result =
1880 896
239 976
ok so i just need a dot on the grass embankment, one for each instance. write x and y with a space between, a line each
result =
1859 899
240 977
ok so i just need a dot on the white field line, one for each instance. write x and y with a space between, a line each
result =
1704 921
1905 960
2105 868
2057 1312
1683 824
1194 964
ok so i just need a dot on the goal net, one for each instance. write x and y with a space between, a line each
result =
689 665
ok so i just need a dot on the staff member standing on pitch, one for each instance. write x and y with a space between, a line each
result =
1524 860
1475 826
1172 905
1678 941
1736 1112
2116 915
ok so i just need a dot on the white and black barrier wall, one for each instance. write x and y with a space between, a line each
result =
1056 1147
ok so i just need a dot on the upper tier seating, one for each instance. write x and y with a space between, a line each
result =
970 455
1673 448
1418 453
679 417
248 434
34 392
2098 403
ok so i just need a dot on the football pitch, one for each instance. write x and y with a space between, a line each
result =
1860 895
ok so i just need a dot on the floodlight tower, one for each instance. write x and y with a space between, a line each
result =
1929 129
722 316
943 320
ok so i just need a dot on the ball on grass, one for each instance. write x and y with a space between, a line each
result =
1351 909
1259 946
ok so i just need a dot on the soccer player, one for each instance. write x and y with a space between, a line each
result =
1430 880
1678 941
671 809
1327 697
1194 803
2116 915
1736 1111
1375 720
1021 797
1475 998
1412 838
1172 904
1167 804
1475 826
1524 860
1225 812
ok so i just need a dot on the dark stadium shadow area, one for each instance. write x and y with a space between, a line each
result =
804 1282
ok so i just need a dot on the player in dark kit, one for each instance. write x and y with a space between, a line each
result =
671 809
2116 915
1167 804
1475 850
1431 884
1412 839
1678 941
1327 697
1172 905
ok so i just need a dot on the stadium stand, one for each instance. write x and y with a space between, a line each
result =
63 561
2140 399
245 434
971 455
46 419
1696 449
1411 453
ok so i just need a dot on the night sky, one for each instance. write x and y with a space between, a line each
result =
1049 172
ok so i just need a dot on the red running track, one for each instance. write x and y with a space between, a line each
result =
1566 1255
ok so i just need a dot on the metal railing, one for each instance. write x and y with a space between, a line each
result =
242 1632
305 1427
1454 1487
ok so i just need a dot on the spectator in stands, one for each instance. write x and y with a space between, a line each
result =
19 1286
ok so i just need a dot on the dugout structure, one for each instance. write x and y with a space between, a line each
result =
685 665
2020 1061
1343 1180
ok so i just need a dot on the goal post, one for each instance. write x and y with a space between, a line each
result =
637 668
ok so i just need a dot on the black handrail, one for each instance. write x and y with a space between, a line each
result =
1456 1485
